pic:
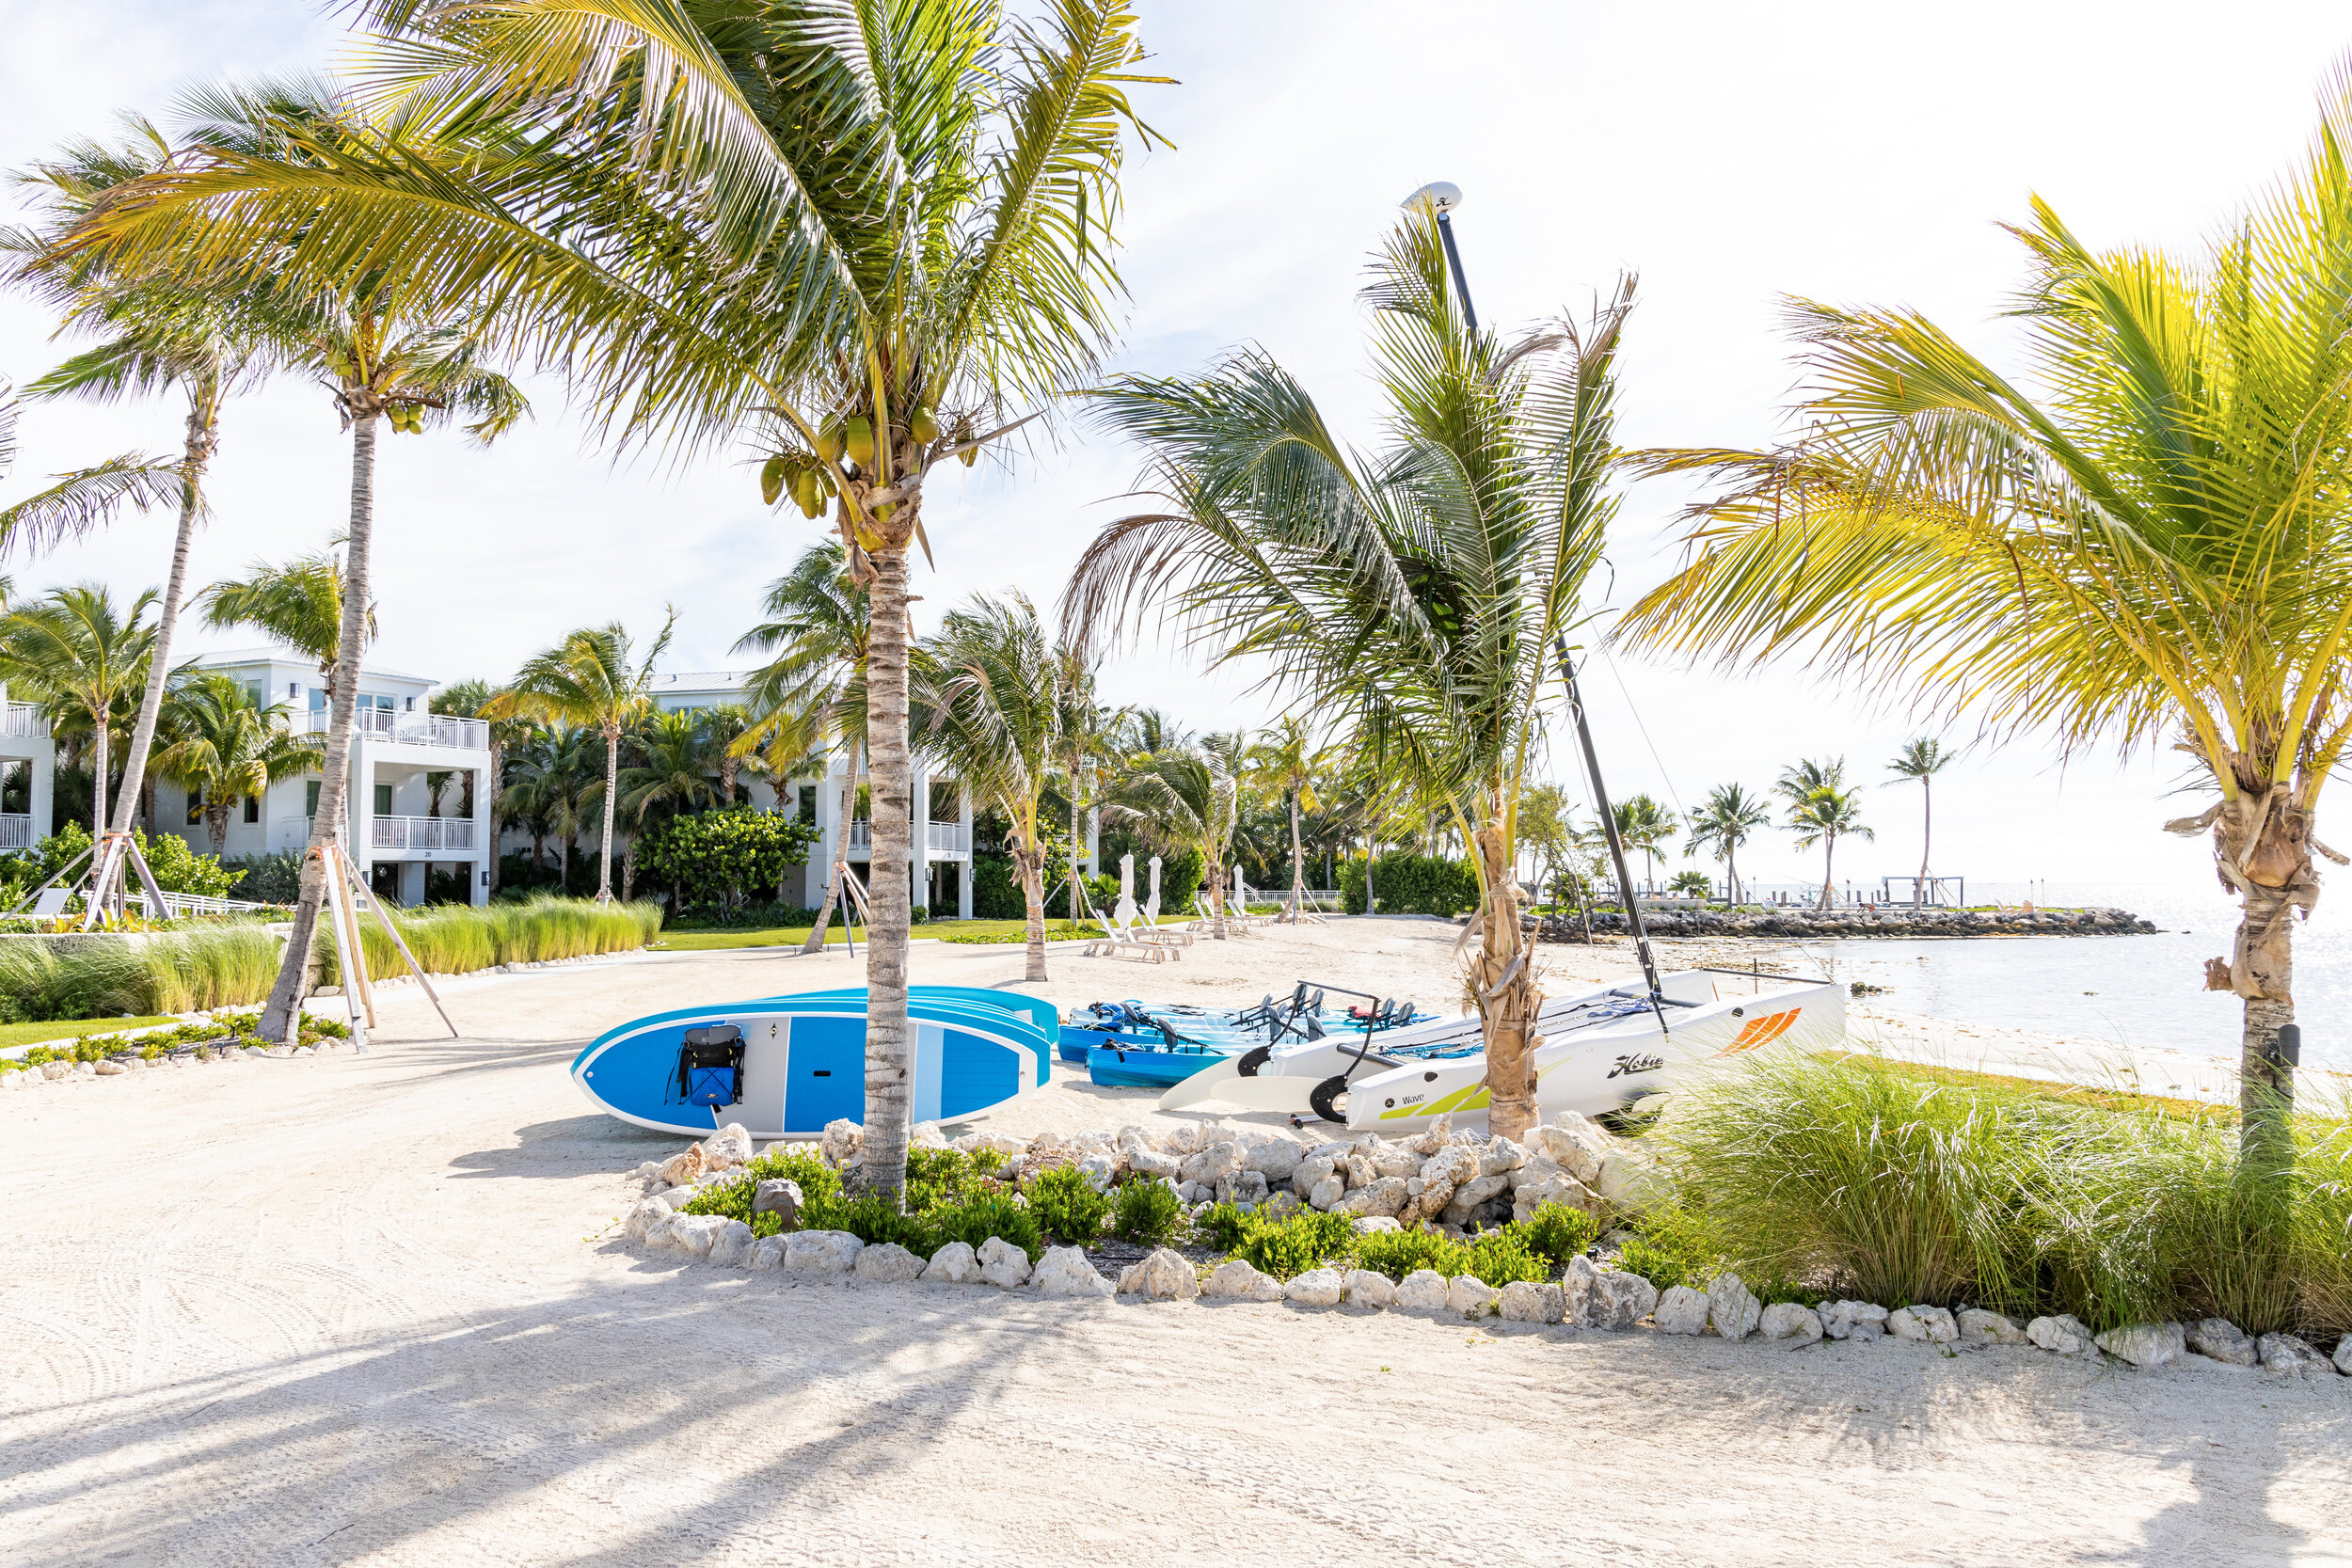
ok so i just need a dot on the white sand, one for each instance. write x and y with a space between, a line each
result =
366 1309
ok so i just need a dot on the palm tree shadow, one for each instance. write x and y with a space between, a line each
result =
439 1427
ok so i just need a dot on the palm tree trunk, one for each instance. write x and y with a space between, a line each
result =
1828 879
882 1150
1927 827
1505 990
493 785
611 781
98 770
1299 866
194 455
1032 864
1074 906
1216 897
815 941
282 1017
2265 1087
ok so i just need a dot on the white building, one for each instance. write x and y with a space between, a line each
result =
28 761
418 788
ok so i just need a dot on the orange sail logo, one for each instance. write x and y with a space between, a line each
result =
1762 1031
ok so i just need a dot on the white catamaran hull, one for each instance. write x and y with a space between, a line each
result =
1603 1048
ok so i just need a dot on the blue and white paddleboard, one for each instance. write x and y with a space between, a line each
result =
798 1062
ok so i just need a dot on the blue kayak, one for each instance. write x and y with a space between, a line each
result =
785 1066
1152 1066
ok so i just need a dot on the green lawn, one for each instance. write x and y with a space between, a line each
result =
41 1034
792 936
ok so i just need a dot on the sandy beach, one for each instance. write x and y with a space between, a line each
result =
370 1308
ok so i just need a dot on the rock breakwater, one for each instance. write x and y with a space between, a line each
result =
1824 925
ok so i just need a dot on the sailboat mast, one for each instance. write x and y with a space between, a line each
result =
1609 827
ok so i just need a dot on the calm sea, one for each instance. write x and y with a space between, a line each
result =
2133 989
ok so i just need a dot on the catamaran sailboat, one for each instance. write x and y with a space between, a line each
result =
1601 1050
1604 1049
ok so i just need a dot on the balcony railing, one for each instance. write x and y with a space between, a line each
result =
940 838
420 833
407 729
24 720
16 832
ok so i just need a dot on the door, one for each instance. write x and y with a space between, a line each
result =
827 1078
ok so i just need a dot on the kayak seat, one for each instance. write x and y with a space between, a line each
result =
710 1066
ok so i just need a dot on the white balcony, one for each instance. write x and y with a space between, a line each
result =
406 729
398 834
16 832
23 722
938 838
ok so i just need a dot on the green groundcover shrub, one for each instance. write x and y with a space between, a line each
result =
222 1032
1857 1176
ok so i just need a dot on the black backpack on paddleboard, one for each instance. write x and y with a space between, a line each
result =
710 1066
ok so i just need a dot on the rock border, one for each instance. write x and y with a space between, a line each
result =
1591 1293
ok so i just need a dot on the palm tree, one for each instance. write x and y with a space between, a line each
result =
1923 758
1080 748
1645 824
2158 550
591 679
723 727
299 604
862 236
223 746
539 798
1724 824
1424 593
674 759
1548 829
1286 760
1822 816
76 649
1189 797
816 632
988 700
466 699
158 334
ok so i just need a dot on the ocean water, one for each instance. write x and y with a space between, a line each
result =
2145 990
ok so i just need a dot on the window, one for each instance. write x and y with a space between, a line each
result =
293 690
383 800
311 798
253 689
318 705
195 808
253 808
808 802
16 787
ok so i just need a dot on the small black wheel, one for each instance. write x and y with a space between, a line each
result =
1330 1099
1252 1059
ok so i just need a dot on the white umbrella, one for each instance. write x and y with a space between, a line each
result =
1124 915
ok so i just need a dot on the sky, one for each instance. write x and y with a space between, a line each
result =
1729 156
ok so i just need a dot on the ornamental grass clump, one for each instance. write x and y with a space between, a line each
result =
460 939
193 969
1892 1183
